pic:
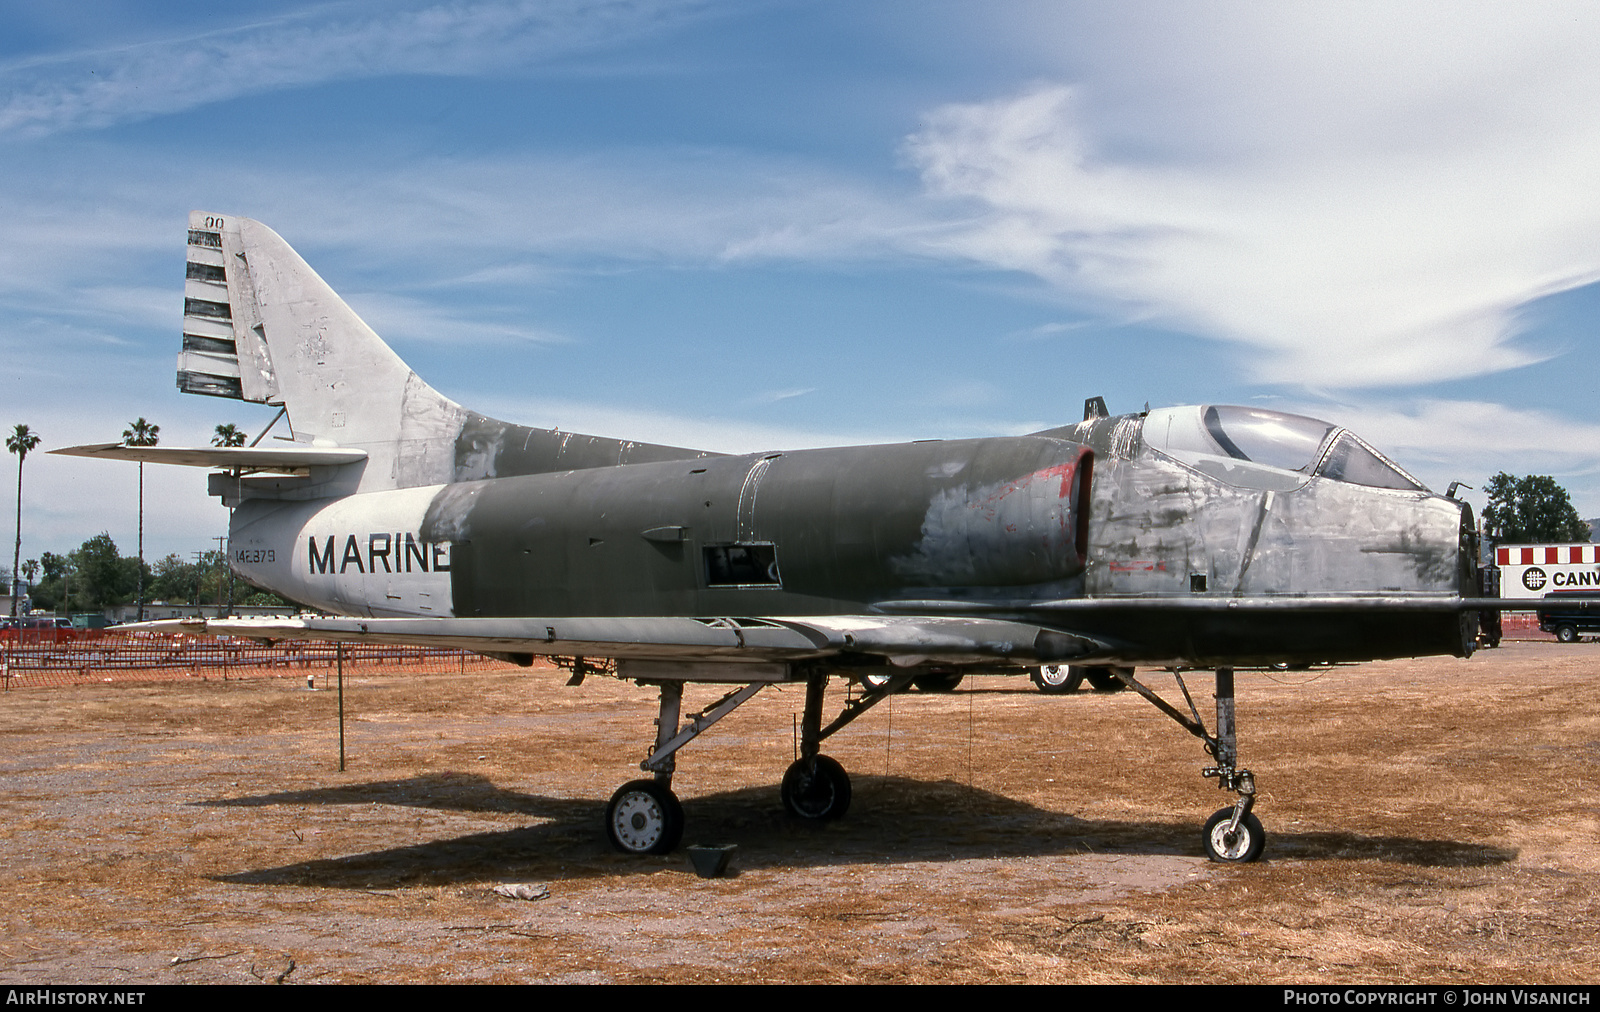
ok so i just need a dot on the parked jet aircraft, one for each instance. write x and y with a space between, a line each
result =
1184 537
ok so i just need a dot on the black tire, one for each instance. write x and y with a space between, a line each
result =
874 682
1245 845
938 681
1103 680
819 792
644 817
1055 679
1566 634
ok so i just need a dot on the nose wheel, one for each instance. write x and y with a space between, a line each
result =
1230 839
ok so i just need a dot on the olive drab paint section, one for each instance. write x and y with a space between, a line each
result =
834 530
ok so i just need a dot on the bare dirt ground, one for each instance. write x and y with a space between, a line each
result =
1428 821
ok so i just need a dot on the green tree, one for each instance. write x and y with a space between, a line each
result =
103 578
1532 509
20 442
229 435
51 589
141 433
174 580
92 577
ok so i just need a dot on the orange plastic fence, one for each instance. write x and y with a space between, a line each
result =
148 657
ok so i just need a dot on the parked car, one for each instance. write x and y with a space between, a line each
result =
1568 623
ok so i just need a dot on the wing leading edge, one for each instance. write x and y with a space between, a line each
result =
901 641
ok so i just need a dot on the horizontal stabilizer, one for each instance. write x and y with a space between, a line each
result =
285 459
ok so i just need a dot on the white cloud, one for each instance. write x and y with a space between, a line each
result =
1508 438
1365 204
721 435
774 396
352 40
399 319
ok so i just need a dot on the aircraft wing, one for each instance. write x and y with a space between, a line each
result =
1016 633
1215 631
904 640
247 458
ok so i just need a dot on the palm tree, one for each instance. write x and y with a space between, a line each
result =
21 440
229 434
30 569
141 433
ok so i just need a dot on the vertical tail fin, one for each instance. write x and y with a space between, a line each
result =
260 325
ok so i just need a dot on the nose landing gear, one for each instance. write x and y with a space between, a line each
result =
1232 834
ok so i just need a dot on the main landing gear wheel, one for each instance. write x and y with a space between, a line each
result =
1237 847
816 788
938 681
644 817
1104 680
1054 679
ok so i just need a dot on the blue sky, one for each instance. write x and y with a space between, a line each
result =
769 224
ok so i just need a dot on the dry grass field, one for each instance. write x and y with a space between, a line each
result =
1428 821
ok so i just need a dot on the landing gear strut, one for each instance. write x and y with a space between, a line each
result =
644 816
1232 834
816 786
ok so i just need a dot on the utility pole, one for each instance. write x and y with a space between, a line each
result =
222 560
199 570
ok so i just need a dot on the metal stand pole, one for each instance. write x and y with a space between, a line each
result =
339 653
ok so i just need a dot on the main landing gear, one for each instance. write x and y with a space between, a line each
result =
1055 679
644 816
1232 834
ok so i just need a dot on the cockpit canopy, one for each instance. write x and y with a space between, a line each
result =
1270 450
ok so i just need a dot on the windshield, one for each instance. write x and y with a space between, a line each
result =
1354 461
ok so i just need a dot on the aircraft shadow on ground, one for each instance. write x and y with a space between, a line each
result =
893 820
